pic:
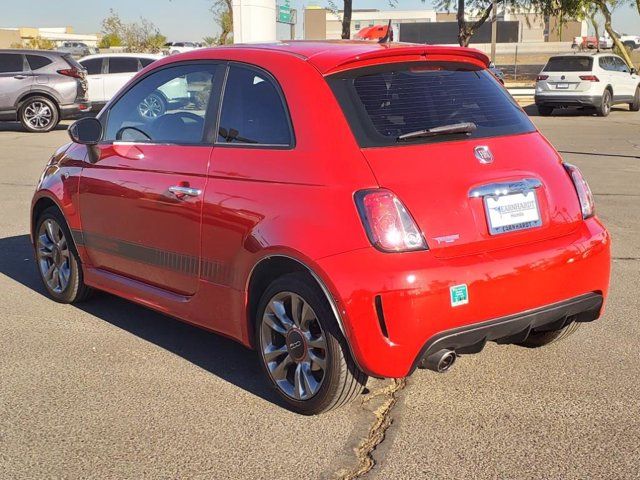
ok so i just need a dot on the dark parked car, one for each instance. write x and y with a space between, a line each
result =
40 88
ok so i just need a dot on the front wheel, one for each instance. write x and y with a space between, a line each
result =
605 104
38 114
635 105
301 349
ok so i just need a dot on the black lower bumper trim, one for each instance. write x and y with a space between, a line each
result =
514 328
567 100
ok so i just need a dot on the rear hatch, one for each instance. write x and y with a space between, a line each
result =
567 74
498 186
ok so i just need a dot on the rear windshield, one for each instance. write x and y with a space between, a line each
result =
381 103
569 64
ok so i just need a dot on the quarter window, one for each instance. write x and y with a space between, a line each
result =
253 111
93 66
168 106
11 62
38 61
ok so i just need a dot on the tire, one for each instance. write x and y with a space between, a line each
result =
56 253
304 356
635 105
38 114
604 108
540 339
152 106
544 110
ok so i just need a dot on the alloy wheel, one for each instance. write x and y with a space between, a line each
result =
38 115
293 346
53 256
151 107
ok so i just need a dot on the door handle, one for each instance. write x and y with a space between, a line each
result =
180 191
19 77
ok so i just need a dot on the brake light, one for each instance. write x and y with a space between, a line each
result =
541 77
388 223
71 72
585 196
589 78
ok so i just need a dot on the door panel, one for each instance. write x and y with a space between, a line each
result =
14 79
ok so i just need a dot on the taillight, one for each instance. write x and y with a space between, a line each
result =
387 221
589 78
541 77
585 196
72 72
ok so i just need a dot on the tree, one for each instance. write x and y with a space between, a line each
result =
606 7
223 13
39 43
467 28
141 36
112 28
210 41
346 15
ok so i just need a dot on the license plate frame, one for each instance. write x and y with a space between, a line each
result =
529 212
562 86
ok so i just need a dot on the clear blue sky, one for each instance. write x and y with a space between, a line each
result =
183 19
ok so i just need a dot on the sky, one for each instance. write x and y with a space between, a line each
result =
185 19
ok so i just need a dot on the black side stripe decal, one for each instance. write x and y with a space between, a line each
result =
211 270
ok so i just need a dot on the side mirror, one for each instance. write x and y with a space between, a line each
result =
633 71
86 131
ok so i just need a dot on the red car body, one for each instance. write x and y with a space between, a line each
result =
265 211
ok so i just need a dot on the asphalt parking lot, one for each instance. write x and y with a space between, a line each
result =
109 389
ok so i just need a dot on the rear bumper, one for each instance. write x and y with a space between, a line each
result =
74 110
552 100
393 306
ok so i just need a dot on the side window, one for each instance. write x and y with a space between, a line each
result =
621 65
123 64
168 106
38 61
146 62
93 66
605 63
253 111
11 62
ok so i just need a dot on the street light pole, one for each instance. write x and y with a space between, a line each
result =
494 30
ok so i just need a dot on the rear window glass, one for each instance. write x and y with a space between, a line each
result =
123 64
568 64
38 61
383 103
93 66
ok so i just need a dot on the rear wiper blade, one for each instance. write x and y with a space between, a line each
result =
464 127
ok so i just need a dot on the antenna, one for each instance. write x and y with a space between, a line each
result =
388 37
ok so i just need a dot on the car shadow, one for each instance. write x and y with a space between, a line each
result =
532 111
218 355
17 127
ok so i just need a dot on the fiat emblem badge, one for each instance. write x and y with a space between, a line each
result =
483 154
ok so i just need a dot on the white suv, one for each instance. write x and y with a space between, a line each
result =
172 48
593 81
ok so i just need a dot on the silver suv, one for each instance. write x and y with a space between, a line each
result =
40 88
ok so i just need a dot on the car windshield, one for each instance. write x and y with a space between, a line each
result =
569 64
391 103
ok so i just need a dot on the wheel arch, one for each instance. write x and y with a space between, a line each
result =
37 93
272 266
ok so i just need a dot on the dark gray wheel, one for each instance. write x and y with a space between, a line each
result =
540 339
635 105
38 114
301 348
605 104
57 258
544 110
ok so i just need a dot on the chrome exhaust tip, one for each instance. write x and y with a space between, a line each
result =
441 361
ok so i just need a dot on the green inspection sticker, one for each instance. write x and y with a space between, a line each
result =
459 295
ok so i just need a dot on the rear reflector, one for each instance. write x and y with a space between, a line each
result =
589 78
541 77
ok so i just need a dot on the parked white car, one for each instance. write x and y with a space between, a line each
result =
108 73
630 41
171 48
588 81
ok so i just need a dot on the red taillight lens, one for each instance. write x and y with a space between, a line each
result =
589 78
585 196
388 223
541 77
72 72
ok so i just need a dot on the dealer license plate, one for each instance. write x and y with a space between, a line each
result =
562 85
508 213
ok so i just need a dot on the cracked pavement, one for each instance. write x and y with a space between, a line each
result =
112 390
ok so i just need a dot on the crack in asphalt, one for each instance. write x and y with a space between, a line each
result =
376 435
625 258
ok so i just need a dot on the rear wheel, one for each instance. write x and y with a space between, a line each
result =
605 104
58 260
540 339
38 114
545 110
301 349
635 105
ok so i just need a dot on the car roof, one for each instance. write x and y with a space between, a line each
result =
27 51
151 56
330 56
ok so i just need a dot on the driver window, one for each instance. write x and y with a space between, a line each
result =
168 106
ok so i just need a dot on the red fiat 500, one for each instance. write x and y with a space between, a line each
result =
347 209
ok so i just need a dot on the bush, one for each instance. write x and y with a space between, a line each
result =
39 43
